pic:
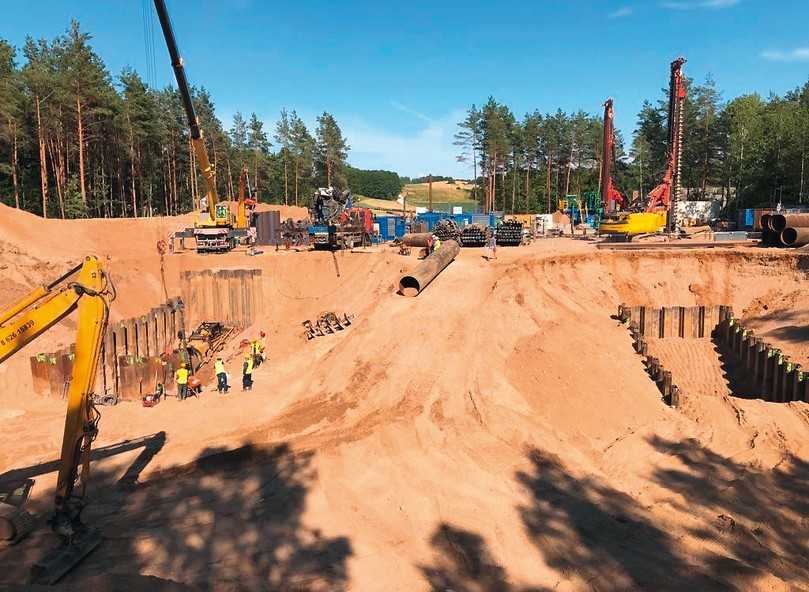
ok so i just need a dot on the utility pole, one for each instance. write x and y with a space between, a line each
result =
430 191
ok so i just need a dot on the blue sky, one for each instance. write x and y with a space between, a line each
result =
399 75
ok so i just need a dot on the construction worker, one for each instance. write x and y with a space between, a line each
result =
255 353
247 372
493 246
181 376
436 243
221 375
262 345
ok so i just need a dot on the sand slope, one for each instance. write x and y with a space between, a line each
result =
497 433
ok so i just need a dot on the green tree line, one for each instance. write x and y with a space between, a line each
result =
76 141
374 183
749 151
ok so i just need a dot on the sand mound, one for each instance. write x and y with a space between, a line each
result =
495 433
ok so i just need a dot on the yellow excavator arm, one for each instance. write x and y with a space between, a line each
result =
91 292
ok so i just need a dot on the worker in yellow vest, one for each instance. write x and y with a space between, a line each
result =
221 375
181 376
255 352
247 372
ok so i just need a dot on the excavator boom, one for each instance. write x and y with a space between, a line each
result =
91 293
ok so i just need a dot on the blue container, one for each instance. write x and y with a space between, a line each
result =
399 227
388 227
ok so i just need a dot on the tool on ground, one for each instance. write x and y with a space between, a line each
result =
326 324
88 289
153 399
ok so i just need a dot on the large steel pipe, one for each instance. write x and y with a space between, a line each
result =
795 237
779 222
420 239
425 272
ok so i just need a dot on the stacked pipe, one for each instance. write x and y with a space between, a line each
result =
509 233
447 230
474 235
791 230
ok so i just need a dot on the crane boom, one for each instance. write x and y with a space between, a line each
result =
219 217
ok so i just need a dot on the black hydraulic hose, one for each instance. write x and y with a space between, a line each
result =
63 277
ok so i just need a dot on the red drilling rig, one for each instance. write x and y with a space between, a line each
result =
659 210
665 195
611 198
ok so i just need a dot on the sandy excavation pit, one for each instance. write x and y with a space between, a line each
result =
498 432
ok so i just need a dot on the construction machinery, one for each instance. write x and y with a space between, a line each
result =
336 224
247 203
89 289
659 210
217 230
611 198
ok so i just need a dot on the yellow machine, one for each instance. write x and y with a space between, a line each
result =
633 223
217 231
87 288
660 208
246 203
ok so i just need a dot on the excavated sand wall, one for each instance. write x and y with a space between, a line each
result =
661 322
231 296
769 371
687 322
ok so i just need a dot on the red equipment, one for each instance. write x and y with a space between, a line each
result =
665 195
361 217
611 198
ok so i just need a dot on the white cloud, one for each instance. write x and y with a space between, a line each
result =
711 4
621 12
429 150
798 54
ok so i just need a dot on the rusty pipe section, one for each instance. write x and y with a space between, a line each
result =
427 270
420 239
779 222
795 237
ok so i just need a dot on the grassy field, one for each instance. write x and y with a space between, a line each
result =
383 205
445 195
